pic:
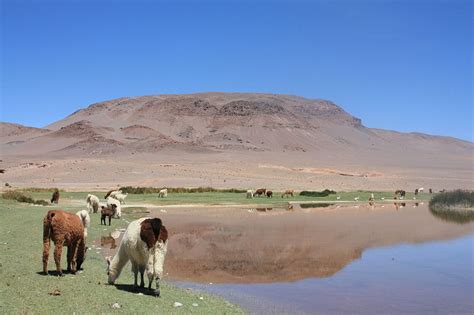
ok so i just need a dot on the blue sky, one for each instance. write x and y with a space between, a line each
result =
400 65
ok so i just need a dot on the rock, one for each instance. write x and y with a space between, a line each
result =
201 298
55 292
195 304
116 306
177 304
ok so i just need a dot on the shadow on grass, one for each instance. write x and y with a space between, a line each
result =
55 273
132 289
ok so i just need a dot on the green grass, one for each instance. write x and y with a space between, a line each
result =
23 290
225 198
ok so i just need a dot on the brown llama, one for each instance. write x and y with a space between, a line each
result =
261 191
55 197
288 192
107 212
269 194
65 229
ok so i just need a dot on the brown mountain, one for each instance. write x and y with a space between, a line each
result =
276 131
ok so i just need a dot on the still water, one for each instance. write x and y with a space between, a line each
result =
330 260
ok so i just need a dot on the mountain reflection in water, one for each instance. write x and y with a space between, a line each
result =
233 245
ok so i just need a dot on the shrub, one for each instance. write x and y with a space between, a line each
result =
452 199
20 197
323 193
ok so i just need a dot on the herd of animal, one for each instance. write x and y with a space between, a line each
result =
144 243
264 192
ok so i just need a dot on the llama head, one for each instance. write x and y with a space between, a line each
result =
112 275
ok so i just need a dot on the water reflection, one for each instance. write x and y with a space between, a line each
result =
315 205
228 245
455 216
107 241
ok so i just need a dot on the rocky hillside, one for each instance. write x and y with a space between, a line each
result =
213 122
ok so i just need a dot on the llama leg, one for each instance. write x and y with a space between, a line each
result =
45 256
142 282
110 219
135 274
73 260
69 258
58 249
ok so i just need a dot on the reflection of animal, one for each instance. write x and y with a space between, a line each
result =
64 228
261 191
107 212
55 197
163 193
145 244
119 196
118 210
269 194
106 240
249 194
263 209
287 193
85 218
92 203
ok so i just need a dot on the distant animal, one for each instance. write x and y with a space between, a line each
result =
109 193
269 194
338 197
163 193
2 171
85 218
430 191
356 198
421 189
288 192
107 212
261 191
65 229
118 210
383 198
55 197
92 203
249 194
145 244
400 192
119 196
416 191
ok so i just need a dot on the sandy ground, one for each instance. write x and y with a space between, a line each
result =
232 171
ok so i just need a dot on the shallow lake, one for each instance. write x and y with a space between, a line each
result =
330 259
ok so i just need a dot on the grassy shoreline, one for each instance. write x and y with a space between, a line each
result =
24 290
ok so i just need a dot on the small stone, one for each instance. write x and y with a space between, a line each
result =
177 304
116 306
55 292
195 304
140 293
201 298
